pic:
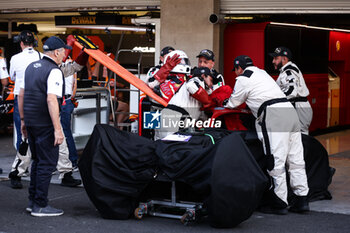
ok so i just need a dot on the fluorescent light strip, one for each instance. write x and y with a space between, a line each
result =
239 17
312 27
107 27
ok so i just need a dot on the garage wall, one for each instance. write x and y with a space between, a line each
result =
187 29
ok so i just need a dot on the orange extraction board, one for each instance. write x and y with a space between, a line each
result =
122 72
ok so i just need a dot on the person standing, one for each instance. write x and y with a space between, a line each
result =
66 115
19 63
292 83
278 128
4 75
68 107
40 122
206 58
69 69
154 81
151 72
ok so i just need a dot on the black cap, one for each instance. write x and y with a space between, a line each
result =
243 61
208 54
197 72
166 50
25 36
55 43
281 51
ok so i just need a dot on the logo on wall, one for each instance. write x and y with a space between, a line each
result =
337 45
152 120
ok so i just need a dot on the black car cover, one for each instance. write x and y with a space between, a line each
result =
115 167
317 167
224 168
237 183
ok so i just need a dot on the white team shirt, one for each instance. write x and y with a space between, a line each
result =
69 68
69 81
255 90
3 69
18 65
291 82
54 82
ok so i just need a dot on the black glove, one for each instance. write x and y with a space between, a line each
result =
23 147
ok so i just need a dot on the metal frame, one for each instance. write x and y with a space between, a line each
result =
138 70
90 93
191 210
98 91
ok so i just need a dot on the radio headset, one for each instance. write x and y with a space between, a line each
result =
26 37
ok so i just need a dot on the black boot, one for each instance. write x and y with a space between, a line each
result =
301 205
69 181
273 204
15 180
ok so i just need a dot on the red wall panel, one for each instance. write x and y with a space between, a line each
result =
339 57
249 39
338 45
243 39
318 98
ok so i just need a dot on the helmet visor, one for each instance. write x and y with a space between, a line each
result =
185 61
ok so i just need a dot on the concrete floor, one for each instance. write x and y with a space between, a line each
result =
325 216
7 155
338 146
336 143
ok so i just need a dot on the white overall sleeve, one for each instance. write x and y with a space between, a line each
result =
238 96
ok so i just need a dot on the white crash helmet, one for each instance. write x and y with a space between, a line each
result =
184 67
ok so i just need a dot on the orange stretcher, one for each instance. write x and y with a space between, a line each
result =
93 51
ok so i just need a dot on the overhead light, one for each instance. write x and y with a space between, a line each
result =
239 17
311 27
109 27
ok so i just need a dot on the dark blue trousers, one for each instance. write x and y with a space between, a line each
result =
66 113
45 157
